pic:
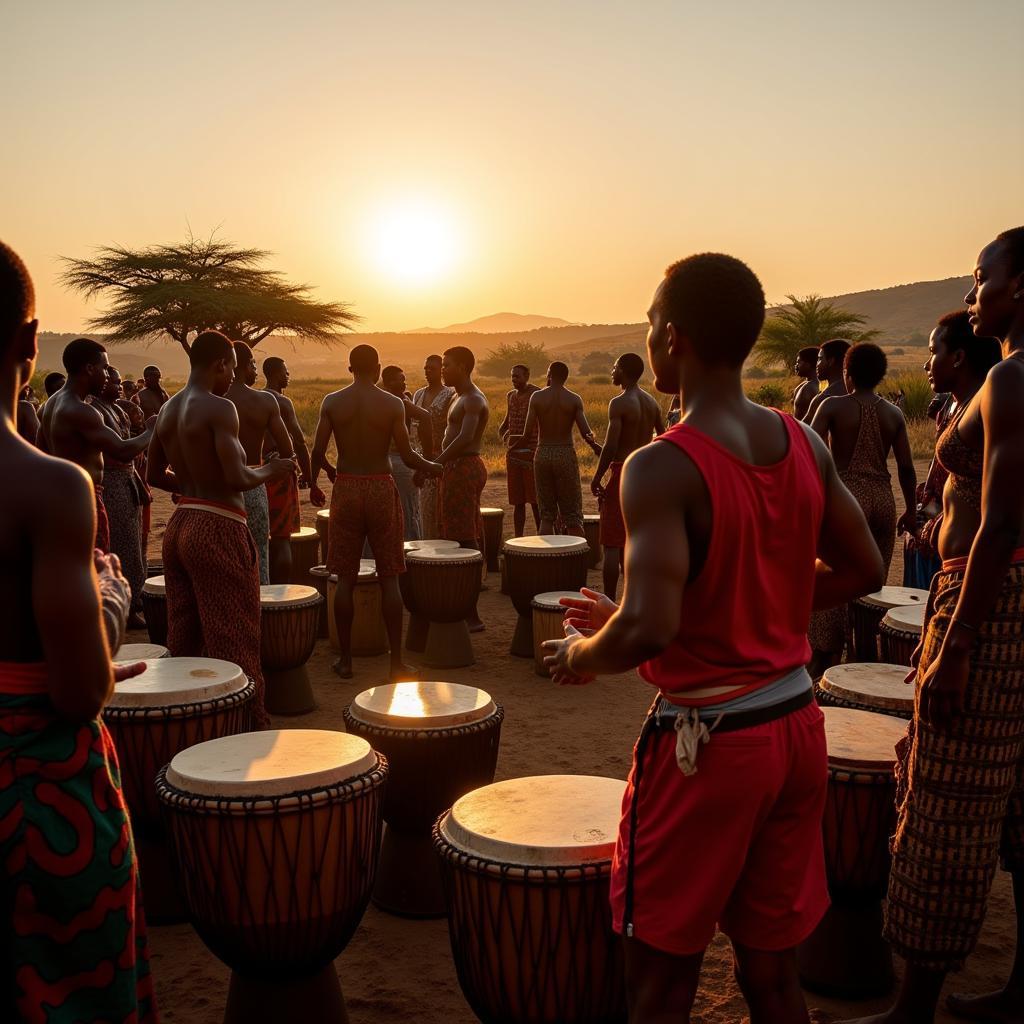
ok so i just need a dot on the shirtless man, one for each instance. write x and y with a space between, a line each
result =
829 369
210 559
634 418
62 960
392 380
73 429
522 490
27 416
283 494
555 410
365 505
152 397
259 414
806 368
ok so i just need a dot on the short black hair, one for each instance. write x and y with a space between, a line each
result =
151 366
17 296
718 303
363 359
389 371
808 352
53 382
956 333
865 364
243 354
836 349
632 365
80 353
559 371
272 364
463 356
434 358
1013 244
208 348
523 367
114 369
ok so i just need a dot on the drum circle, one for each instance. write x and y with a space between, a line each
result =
866 614
900 633
154 607
289 620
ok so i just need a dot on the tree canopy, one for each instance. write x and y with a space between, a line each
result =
178 291
499 362
806 321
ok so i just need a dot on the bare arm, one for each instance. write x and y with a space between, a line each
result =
158 467
321 439
291 424
278 431
584 427
231 457
400 437
426 427
821 419
813 407
611 444
503 426
907 476
90 425
471 411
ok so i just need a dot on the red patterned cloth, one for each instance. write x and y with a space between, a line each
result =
102 522
366 508
283 499
518 407
613 526
462 487
519 473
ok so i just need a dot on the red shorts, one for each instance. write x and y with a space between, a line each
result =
613 526
283 502
519 474
366 508
738 845
462 487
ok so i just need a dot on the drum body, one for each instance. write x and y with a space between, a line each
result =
419 625
289 619
548 619
305 545
878 687
323 530
900 633
538 565
276 882
319 578
443 585
494 526
441 741
866 614
592 534
154 607
530 926
369 637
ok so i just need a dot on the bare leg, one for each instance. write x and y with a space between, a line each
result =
519 519
610 570
536 517
474 622
280 560
916 1002
660 987
546 527
391 608
771 985
343 612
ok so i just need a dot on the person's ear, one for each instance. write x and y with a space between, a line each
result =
28 341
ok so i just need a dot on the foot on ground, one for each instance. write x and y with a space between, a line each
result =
1002 1007
343 668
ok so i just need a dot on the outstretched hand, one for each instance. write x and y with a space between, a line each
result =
588 612
557 658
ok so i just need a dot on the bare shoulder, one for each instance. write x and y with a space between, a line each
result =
1003 390
662 469
820 450
55 487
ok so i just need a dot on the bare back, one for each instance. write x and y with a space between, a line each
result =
64 416
845 415
256 411
557 410
363 420
152 400
640 419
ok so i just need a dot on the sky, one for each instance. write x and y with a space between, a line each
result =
434 162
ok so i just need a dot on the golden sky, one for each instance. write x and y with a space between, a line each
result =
433 162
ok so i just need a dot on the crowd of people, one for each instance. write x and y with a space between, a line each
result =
742 533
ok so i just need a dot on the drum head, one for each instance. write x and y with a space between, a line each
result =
543 821
549 602
425 545
272 763
169 681
879 686
895 597
155 586
128 654
909 619
553 545
438 556
320 572
862 739
323 514
305 533
421 705
591 518
282 595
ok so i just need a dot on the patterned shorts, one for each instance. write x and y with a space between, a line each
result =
283 502
366 508
519 473
462 487
556 471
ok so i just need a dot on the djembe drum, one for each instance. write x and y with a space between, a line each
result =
537 565
526 866
494 525
876 686
369 637
128 654
154 569
443 584
319 578
592 535
503 567
416 634
289 616
846 956
277 836
441 741
174 704
305 545
548 618
900 633
154 607
866 614
323 530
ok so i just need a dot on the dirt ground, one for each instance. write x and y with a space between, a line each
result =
396 969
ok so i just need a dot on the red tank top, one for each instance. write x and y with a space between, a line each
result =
744 621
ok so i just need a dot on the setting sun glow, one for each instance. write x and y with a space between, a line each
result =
414 242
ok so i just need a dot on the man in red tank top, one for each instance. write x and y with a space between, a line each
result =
725 515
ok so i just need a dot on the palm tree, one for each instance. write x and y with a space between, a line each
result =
806 321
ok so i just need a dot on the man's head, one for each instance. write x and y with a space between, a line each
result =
245 364
707 312
128 387
86 362
112 387
806 362
393 379
212 353
457 366
53 382
628 370
364 363
954 350
830 359
864 367
18 325
558 373
432 370
275 369
151 375
520 376
996 302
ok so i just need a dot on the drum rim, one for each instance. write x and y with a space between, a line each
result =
152 591
295 602
187 709
302 534
429 556
439 723
552 607
866 600
133 699
492 511
897 626
859 764
130 661
323 513
869 700
529 551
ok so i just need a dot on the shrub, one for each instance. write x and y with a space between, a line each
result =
499 362
917 392
769 394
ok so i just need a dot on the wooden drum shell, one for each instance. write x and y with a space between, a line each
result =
288 633
154 607
530 574
442 591
897 644
305 546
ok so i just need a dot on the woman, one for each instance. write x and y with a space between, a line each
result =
862 428
435 398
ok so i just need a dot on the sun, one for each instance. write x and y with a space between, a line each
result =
414 242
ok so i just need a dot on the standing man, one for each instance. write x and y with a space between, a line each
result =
555 410
392 380
283 493
259 414
806 368
211 566
74 938
522 490
435 398
364 421
721 830
152 397
53 382
634 417
27 416
73 429
829 368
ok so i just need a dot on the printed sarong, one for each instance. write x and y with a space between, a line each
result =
257 510
959 796
365 509
556 472
283 506
613 526
74 941
102 523
462 487
213 590
409 494
519 474
121 498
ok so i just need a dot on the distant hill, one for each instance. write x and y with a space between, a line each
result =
496 323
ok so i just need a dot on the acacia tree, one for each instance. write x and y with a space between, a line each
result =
806 321
178 291
499 362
